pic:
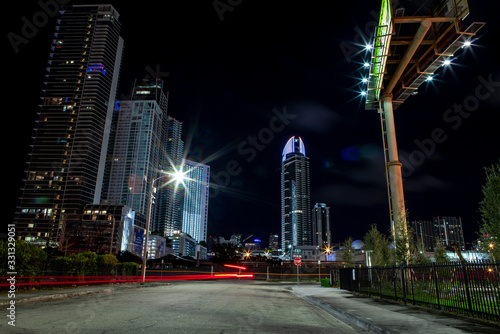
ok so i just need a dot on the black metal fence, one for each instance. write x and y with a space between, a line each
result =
470 289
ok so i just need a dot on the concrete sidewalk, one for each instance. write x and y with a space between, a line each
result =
69 292
378 316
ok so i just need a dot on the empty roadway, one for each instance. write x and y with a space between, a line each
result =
222 306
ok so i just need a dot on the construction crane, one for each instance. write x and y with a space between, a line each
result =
251 235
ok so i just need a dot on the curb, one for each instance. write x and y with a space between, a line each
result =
57 296
60 296
353 319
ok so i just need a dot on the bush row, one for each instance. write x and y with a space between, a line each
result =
29 260
91 264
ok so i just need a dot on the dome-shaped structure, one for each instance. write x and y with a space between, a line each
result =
293 145
358 244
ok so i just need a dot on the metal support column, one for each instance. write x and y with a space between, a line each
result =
393 166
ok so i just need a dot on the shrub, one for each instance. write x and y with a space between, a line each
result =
29 260
325 282
106 264
127 269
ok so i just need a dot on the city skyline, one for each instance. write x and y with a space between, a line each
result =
228 85
96 161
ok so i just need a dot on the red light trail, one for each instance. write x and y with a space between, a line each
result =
78 280
233 266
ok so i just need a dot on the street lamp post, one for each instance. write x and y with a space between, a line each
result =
148 221
178 176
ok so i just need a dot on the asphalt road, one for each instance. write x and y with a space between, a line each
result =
224 306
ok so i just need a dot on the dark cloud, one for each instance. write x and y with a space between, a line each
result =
314 117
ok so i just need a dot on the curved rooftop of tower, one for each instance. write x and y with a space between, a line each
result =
293 145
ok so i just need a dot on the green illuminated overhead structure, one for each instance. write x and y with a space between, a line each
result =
406 52
380 51
407 49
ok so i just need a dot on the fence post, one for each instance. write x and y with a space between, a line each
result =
380 277
467 290
403 282
412 289
436 285
394 281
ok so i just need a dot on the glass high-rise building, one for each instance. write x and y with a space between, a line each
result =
171 196
66 167
195 215
321 225
296 229
138 153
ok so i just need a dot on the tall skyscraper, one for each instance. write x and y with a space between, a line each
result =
195 215
171 196
296 227
321 225
66 167
138 154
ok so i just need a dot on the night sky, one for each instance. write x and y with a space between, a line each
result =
230 73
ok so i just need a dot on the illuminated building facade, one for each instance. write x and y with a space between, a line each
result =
65 171
195 215
104 229
295 196
137 155
183 244
170 197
